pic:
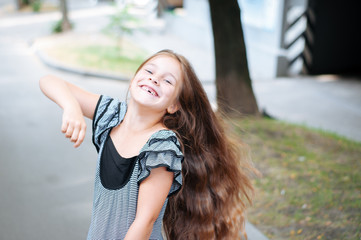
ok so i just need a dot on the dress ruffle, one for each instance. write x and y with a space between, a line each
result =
162 150
108 113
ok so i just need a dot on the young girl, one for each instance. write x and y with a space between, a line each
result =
164 159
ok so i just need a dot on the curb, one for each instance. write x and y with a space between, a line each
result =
253 233
48 61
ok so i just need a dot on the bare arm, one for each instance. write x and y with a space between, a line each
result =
75 102
153 192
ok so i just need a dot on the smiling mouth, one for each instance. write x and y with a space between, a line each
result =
150 90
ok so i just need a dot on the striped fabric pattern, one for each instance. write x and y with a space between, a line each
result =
114 210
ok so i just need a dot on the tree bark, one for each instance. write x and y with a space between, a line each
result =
65 23
162 4
19 4
235 95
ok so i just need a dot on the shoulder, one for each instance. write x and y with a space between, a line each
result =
108 113
108 104
109 108
162 150
162 140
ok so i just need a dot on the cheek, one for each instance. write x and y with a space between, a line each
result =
134 81
173 95
178 90
132 85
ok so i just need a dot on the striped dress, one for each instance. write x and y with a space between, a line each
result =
114 210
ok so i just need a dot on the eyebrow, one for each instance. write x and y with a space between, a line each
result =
167 73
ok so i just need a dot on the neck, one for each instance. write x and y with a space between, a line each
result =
140 118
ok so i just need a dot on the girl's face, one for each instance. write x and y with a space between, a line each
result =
157 84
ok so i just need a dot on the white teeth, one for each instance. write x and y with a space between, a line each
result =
149 90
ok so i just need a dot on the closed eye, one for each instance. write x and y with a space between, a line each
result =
167 81
148 71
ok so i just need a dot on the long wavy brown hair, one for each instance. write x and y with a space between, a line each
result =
216 175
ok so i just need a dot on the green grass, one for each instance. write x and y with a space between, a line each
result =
311 183
109 58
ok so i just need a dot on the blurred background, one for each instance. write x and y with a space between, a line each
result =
301 58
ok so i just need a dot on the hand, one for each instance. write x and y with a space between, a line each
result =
74 126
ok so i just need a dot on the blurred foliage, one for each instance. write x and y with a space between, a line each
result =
58 26
36 5
311 184
122 23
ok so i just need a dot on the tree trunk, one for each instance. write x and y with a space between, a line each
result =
235 95
65 23
19 4
162 4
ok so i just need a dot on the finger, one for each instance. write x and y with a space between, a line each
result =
69 131
80 138
74 136
64 126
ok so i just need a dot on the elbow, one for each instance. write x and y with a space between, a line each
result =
150 221
146 222
47 78
47 81
43 80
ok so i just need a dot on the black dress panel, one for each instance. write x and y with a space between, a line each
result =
115 171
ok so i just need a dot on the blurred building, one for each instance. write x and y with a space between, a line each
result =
289 37
326 33
333 39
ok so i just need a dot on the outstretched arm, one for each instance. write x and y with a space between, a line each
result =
153 192
75 102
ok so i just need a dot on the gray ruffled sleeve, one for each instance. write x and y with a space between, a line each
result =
108 113
162 150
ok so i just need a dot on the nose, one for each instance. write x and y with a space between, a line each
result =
154 80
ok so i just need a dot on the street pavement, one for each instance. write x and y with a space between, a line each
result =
47 185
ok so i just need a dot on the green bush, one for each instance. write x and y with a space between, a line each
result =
36 5
122 23
58 27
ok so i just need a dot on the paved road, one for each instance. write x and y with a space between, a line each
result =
325 102
46 185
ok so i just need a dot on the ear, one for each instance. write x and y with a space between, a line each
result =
173 108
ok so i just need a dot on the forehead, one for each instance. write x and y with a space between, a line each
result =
166 64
